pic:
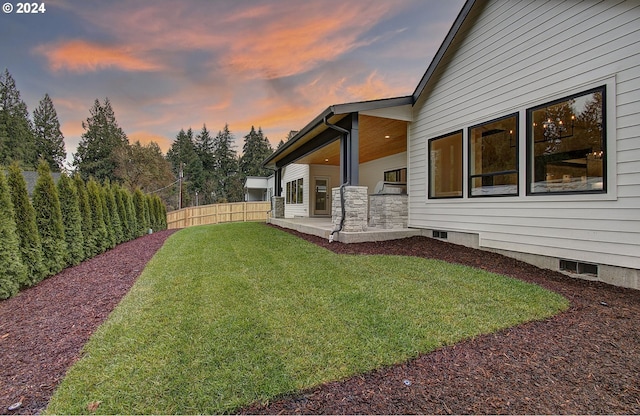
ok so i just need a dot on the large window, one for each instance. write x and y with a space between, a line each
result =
493 157
566 145
445 166
295 191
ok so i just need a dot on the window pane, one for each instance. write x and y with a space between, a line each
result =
300 190
567 145
445 166
294 192
288 192
493 158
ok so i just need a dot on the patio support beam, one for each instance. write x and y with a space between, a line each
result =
354 151
277 178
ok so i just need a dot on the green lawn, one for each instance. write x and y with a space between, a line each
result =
226 315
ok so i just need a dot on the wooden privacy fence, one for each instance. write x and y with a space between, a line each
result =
217 213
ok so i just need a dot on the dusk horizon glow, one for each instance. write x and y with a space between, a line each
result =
170 65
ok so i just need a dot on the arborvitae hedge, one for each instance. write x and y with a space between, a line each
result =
65 225
71 219
26 227
116 221
85 213
119 195
13 273
49 219
98 228
131 215
108 220
138 205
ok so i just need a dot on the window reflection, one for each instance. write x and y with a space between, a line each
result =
493 157
566 141
445 166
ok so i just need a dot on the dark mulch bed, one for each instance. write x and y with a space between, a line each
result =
586 360
43 328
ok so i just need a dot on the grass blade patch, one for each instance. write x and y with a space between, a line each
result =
226 315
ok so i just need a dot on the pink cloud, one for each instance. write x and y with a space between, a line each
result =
81 56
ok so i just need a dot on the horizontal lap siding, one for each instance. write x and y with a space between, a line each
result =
294 172
511 55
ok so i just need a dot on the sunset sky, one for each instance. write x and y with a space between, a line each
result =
172 64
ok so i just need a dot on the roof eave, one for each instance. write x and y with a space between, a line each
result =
338 109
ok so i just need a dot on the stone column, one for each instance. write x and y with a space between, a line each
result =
356 208
277 206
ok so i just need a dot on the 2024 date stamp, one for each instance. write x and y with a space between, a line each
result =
24 8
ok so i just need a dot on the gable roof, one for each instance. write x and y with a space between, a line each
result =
462 16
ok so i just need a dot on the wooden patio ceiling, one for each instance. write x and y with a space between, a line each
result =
379 137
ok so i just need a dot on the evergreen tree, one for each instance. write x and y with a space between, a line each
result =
49 220
118 195
255 150
90 248
228 186
108 220
17 141
98 227
112 207
184 158
131 215
95 155
72 220
147 213
27 229
13 273
138 204
48 137
204 145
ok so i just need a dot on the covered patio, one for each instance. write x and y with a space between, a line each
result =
352 153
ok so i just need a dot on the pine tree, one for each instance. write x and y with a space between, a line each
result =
48 137
98 227
184 158
228 184
95 154
27 229
204 145
72 220
255 150
49 219
84 206
17 141
13 273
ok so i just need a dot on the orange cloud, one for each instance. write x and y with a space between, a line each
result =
80 56
145 138
289 46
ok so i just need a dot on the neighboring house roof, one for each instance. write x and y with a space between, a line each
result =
257 182
31 177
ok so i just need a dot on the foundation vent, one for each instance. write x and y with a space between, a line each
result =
579 267
439 234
